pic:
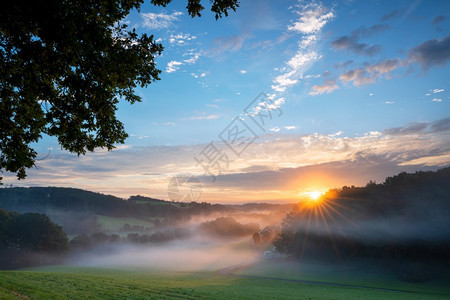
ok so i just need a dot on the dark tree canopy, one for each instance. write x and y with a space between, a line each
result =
64 66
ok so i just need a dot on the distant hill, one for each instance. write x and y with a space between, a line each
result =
77 210
40 199
48 199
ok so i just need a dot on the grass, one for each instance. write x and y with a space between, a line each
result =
362 275
65 282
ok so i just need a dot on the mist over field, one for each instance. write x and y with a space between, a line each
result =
190 254
201 242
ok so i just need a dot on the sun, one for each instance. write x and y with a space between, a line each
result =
314 195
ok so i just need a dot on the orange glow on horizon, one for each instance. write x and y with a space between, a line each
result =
314 195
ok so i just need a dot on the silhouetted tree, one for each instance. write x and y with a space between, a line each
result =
37 232
64 65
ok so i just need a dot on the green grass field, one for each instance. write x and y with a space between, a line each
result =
65 282
365 276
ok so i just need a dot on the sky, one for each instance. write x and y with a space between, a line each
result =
279 99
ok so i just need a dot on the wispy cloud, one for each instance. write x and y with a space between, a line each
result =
193 59
275 129
181 39
392 15
327 87
312 18
352 42
196 75
438 19
243 71
173 65
435 52
370 73
414 128
206 117
159 21
229 43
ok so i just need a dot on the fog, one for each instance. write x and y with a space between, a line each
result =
205 242
193 254
381 230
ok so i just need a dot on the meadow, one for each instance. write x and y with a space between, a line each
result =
74 282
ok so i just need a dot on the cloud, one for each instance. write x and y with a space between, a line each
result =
298 64
231 43
414 128
336 134
312 18
173 65
437 100
207 117
327 87
343 65
351 42
428 54
389 102
291 162
180 39
201 75
435 52
275 129
434 160
384 67
441 125
358 76
290 127
333 160
243 71
159 21
283 81
193 59
435 91
438 19
392 15
367 32
313 76
369 74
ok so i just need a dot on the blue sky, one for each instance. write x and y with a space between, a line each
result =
242 55
356 90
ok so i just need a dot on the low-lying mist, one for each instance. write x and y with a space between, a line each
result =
188 254
195 243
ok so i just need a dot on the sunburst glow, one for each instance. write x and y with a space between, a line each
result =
314 195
